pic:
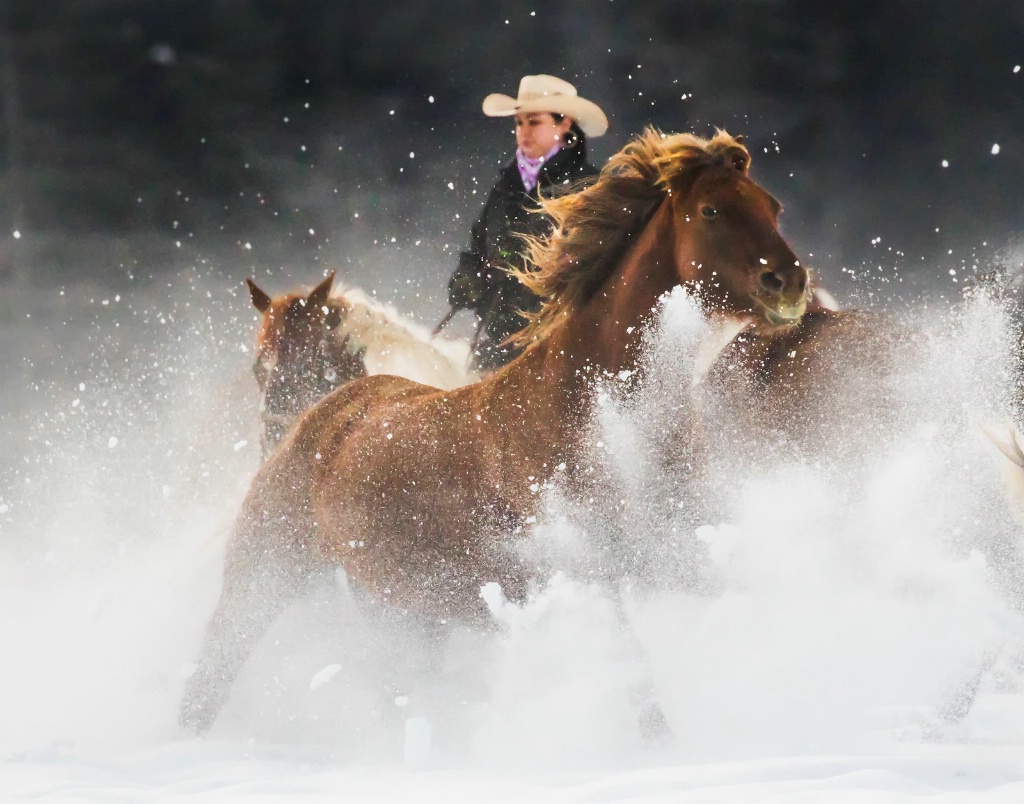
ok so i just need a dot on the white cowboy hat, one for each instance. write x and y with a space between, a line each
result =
545 93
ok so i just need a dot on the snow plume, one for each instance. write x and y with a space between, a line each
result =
132 455
807 601
800 603
560 684
638 476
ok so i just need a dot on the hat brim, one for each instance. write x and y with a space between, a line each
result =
587 113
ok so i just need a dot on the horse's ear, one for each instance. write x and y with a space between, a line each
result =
739 138
739 158
318 296
260 300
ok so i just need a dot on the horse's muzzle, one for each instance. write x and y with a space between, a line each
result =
786 314
783 315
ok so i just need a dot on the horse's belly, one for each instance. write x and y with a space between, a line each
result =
432 562
410 504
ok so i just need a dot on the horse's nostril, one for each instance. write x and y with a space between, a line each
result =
770 280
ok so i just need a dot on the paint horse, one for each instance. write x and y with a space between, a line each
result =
421 494
309 344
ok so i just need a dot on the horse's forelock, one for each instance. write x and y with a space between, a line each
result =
684 153
730 152
291 308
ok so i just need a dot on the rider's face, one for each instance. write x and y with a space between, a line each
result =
537 132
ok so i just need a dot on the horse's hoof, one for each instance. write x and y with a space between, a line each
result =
654 728
196 717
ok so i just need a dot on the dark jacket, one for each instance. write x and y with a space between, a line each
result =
481 281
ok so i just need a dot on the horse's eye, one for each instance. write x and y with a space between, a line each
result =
708 212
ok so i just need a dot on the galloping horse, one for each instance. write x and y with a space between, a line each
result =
839 387
420 494
788 389
308 345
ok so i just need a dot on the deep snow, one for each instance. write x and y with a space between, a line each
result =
844 601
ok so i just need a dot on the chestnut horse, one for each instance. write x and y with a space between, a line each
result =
309 344
298 358
840 385
420 494
790 389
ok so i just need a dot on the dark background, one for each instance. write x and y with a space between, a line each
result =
143 138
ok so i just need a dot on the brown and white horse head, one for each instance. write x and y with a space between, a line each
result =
728 244
299 357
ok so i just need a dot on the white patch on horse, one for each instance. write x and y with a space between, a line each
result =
392 344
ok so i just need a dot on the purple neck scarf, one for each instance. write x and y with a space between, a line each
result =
530 168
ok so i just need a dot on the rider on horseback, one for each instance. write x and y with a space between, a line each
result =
552 124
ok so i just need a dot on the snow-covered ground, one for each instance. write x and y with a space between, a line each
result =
848 602
232 773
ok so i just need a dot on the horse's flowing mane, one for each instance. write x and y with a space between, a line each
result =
393 344
593 227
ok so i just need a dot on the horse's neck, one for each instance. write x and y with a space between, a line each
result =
393 346
376 332
605 335
364 324
603 338
769 355
721 332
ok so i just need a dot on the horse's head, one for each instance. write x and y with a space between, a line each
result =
728 245
298 357
667 210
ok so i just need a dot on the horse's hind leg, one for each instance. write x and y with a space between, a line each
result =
266 568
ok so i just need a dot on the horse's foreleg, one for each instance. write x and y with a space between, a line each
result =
266 568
